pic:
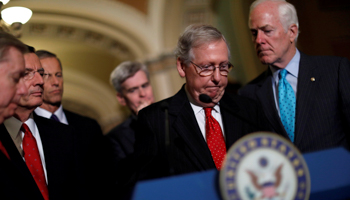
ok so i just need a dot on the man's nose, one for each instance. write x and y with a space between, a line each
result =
38 79
259 37
142 92
216 76
21 88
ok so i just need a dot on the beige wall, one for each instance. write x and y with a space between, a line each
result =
92 37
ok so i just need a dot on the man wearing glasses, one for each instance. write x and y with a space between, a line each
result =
44 151
204 121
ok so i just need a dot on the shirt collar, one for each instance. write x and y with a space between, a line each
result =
13 126
292 67
44 113
197 109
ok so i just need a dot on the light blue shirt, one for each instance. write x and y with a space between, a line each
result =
292 76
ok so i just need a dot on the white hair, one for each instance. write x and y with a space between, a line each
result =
287 13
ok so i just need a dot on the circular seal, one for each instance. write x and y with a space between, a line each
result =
264 165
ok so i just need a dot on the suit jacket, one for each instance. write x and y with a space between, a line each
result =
95 154
122 138
323 105
188 151
59 145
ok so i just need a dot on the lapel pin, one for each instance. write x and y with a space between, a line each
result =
313 79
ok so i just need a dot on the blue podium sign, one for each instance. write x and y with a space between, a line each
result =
329 174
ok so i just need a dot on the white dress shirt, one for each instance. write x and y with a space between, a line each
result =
59 114
13 126
200 115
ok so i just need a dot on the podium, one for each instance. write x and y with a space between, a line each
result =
329 173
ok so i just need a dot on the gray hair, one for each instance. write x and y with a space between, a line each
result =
124 71
287 13
46 54
196 35
7 40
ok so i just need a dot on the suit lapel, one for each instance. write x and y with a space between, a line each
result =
185 124
266 97
16 158
46 140
305 94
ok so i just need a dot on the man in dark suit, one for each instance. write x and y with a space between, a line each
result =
52 98
134 90
12 88
320 87
53 144
88 130
195 123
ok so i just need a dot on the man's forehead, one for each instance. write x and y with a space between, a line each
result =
32 61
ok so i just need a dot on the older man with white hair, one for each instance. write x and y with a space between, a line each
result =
305 98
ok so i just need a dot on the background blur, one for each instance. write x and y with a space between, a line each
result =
91 37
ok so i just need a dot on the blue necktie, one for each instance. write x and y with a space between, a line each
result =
287 103
54 117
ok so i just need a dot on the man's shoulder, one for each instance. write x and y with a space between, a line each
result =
165 103
80 122
249 89
124 127
320 59
51 125
238 100
73 117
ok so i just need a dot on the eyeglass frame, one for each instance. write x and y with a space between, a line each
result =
30 75
230 67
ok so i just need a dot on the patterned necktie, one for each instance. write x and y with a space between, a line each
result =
33 161
215 138
287 103
55 118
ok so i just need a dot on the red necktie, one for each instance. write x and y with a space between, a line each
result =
215 138
3 150
33 161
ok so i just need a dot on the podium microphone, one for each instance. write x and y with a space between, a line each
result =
165 107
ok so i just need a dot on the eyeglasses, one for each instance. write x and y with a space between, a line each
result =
208 70
48 76
29 73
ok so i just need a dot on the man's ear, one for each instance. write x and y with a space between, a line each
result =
293 32
180 67
121 99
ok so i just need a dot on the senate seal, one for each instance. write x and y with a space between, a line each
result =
264 166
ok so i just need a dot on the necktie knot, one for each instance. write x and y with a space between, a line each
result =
208 111
25 129
283 73
54 117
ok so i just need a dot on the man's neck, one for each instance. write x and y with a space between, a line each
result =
50 107
281 64
23 114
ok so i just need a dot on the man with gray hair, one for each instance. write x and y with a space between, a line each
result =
204 120
305 98
134 90
11 73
